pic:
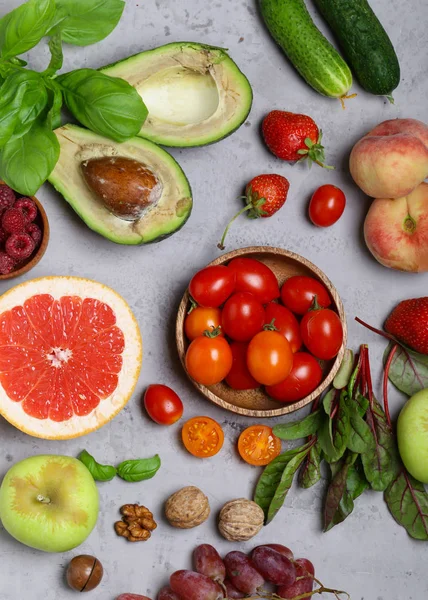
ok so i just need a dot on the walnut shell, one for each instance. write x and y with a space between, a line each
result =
187 508
240 520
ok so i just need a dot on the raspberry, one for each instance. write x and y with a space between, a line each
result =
20 246
13 220
28 208
3 236
6 264
7 197
35 232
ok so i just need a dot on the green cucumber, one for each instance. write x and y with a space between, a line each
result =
365 43
313 56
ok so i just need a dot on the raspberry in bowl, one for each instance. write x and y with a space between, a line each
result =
24 233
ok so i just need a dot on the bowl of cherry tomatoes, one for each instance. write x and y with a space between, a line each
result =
261 331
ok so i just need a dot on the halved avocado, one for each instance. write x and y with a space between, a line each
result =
195 94
160 221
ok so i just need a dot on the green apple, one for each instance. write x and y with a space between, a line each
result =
412 434
49 502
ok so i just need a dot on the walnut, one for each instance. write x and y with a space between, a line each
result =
187 508
137 523
240 520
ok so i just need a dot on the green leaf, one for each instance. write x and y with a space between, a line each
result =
139 469
99 472
57 57
12 94
361 403
345 371
27 161
85 22
33 103
334 433
408 372
108 105
360 439
328 402
24 27
310 473
284 485
55 102
299 429
408 502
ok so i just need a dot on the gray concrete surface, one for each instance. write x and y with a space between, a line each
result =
370 555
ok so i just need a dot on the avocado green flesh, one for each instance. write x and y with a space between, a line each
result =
169 214
195 94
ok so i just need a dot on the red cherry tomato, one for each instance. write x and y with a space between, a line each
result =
208 359
285 322
162 404
299 291
255 277
322 333
242 317
239 377
212 286
269 357
201 319
327 205
304 378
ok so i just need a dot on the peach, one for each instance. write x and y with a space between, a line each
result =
396 231
392 159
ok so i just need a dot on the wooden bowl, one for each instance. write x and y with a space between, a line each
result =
256 403
42 221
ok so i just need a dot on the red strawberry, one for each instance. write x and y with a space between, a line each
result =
293 137
264 196
408 322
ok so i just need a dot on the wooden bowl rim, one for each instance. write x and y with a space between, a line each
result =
285 408
42 248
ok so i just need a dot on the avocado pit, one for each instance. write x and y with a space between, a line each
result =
126 187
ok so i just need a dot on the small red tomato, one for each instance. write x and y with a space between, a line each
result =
285 322
305 376
298 293
209 359
201 319
269 357
242 317
212 286
239 377
327 205
322 333
255 277
162 404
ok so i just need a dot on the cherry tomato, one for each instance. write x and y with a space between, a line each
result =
202 319
269 357
162 404
298 293
239 377
258 446
212 286
255 277
327 205
209 359
285 322
242 317
203 437
322 333
304 378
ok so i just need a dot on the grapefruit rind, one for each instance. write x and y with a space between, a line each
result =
109 407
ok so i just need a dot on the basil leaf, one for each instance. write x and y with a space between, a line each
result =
24 27
408 502
344 373
57 57
55 101
299 429
33 103
360 439
27 161
310 473
108 105
99 472
12 93
85 22
408 371
139 469
284 485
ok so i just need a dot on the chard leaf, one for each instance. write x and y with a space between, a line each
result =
408 502
344 373
284 485
299 429
334 433
360 439
310 473
408 371
328 401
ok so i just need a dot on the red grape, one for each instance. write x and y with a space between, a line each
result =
166 593
208 562
232 592
281 549
194 586
303 567
304 582
274 567
132 597
241 572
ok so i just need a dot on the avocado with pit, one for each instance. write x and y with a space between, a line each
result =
131 193
195 94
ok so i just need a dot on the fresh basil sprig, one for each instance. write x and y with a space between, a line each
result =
140 469
99 472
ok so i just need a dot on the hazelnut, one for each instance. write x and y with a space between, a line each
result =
240 520
84 573
187 508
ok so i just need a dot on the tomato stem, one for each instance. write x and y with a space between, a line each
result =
270 326
216 331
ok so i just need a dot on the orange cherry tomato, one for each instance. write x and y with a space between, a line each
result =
203 437
202 319
258 446
209 358
269 357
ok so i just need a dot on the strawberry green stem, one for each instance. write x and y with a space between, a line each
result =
220 245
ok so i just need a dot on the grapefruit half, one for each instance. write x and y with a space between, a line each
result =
70 356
